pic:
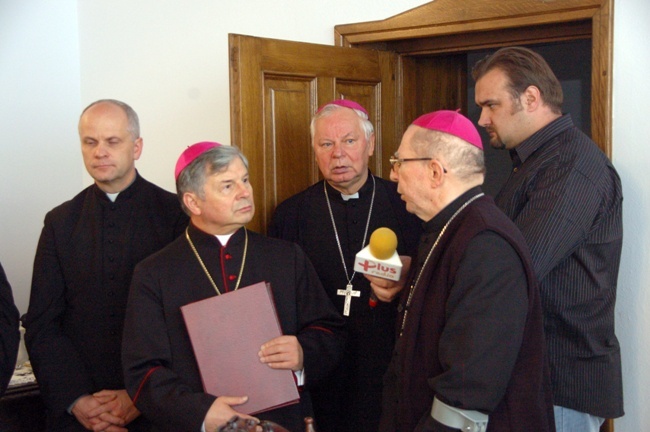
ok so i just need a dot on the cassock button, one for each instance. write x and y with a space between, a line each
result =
228 256
232 277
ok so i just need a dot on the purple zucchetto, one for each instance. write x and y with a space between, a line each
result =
347 103
453 123
191 153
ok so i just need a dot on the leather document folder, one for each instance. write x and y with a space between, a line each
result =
227 332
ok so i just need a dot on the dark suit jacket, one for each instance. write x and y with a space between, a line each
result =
82 272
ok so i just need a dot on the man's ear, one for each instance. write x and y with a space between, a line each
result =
137 148
192 202
371 144
532 98
436 172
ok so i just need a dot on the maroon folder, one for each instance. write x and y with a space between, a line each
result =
227 332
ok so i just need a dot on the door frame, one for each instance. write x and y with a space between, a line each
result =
445 26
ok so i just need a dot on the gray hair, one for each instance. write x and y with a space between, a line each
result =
193 177
466 160
328 109
133 123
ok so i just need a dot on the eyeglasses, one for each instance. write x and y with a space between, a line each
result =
396 162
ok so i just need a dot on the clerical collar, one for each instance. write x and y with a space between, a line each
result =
439 220
125 193
365 190
223 239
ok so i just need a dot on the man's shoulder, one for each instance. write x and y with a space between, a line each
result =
71 206
302 197
173 252
152 191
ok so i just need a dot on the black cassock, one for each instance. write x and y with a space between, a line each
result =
85 258
159 365
350 400
9 335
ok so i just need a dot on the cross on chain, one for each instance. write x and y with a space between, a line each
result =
348 292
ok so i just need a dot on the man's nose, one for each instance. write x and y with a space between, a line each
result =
484 119
101 150
393 174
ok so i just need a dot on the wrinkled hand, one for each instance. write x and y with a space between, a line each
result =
282 352
116 409
221 412
386 290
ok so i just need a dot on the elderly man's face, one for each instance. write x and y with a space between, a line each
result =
227 204
413 179
109 151
342 150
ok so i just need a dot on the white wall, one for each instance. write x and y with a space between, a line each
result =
169 60
39 106
631 156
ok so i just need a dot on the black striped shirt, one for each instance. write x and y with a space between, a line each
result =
565 196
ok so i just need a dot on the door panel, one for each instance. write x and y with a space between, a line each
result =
277 86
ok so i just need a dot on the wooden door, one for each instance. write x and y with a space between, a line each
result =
276 87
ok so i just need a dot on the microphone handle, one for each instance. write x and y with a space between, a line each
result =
373 300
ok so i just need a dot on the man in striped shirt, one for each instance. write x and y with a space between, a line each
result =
565 196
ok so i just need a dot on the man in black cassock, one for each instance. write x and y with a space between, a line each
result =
215 256
470 351
332 220
82 272
9 334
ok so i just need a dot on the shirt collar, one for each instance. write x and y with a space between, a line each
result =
527 147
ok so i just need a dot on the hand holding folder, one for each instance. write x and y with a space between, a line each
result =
227 332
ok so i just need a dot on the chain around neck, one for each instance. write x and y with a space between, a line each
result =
198 257
426 260
336 233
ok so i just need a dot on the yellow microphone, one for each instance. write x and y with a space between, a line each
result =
379 258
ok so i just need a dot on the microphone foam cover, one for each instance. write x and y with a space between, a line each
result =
383 243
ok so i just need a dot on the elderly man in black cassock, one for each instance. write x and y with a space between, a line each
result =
470 351
332 220
215 256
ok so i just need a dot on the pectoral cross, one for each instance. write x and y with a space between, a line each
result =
348 292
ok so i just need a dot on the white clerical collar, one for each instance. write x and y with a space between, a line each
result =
223 239
349 197
112 196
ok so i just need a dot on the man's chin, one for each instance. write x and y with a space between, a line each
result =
496 144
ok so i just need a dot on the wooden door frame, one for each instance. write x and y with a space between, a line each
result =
463 25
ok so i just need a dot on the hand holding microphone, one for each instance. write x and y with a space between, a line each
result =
380 259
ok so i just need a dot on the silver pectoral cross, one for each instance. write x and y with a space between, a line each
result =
348 292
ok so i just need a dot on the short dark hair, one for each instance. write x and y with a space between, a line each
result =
523 67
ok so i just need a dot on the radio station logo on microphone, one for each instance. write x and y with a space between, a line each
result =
376 268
